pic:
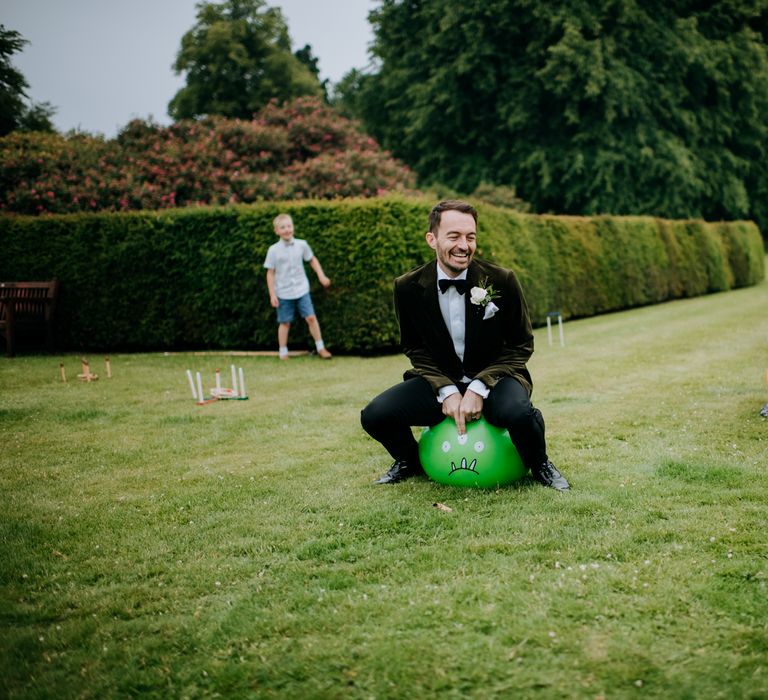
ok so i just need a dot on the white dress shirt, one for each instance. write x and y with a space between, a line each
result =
454 310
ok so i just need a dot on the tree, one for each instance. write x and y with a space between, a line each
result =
37 117
15 113
12 83
236 59
348 95
306 56
589 106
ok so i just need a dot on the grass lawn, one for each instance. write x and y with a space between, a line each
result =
151 547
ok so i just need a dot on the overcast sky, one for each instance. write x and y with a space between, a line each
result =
103 62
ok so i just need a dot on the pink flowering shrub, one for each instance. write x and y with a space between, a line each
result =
301 150
313 128
350 173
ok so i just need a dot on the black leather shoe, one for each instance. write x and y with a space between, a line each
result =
397 472
548 475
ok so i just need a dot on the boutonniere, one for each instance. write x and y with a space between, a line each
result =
484 296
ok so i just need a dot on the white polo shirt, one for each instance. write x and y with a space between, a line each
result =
287 260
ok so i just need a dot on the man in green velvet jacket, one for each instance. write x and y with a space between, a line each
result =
464 326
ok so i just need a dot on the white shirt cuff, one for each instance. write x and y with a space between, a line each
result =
445 391
479 388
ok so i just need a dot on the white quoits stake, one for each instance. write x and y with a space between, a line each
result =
200 388
218 392
243 394
559 316
192 384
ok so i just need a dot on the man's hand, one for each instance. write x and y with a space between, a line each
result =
273 300
463 409
325 281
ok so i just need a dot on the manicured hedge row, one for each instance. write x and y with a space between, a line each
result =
193 278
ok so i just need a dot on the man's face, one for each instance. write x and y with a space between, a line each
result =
455 241
284 229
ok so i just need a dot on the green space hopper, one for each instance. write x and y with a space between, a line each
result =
484 457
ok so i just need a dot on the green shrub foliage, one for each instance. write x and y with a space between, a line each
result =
193 278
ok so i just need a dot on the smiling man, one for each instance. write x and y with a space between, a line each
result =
464 326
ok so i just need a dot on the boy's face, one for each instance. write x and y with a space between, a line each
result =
284 228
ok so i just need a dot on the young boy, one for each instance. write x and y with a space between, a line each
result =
289 287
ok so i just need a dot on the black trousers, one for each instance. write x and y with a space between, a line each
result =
388 418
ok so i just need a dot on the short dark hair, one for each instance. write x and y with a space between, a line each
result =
449 205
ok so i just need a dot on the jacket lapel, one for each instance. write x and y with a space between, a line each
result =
434 324
431 305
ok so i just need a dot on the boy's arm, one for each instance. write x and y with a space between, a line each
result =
315 265
271 287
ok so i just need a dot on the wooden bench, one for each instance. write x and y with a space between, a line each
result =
27 306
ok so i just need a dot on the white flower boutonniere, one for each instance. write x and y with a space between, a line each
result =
483 296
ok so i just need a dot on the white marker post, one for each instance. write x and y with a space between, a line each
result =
234 381
200 388
218 381
192 384
243 394
559 317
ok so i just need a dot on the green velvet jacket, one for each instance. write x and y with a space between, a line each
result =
494 348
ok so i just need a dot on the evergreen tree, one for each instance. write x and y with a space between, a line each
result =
15 113
586 106
237 58
306 57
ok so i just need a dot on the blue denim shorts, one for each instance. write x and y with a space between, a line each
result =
287 308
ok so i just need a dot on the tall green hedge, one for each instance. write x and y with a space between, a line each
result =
193 278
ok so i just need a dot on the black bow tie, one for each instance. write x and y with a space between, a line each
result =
461 285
